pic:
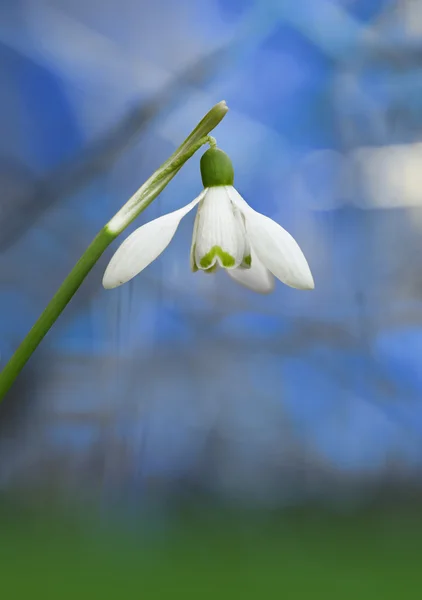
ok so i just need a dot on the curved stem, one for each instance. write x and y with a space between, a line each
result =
133 207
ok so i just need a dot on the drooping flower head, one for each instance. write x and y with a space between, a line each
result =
228 234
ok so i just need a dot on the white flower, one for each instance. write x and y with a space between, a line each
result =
228 234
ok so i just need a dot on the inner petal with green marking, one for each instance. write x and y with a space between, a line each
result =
219 238
217 254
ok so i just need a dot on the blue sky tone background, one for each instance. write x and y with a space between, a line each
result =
179 379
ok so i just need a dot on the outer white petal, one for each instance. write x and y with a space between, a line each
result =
144 245
257 278
192 248
217 227
275 247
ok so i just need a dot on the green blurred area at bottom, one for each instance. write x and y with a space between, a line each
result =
212 554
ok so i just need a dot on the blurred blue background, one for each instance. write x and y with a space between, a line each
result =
179 384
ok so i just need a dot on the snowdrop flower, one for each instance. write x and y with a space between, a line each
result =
228 234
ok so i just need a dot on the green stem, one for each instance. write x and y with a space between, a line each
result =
133 207
53 309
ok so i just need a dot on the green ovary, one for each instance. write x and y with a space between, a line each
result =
216 168
225 259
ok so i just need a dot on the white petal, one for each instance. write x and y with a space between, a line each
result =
192 248
218 232
247 247
257 278
144 245
275 247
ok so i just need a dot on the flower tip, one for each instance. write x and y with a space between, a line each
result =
107 285
303 280
223 105
309 284
110 282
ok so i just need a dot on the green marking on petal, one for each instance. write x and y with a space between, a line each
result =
211 269
247 260
225 258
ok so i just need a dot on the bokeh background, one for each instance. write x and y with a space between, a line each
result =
181 436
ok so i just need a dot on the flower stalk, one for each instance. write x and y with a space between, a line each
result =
131 209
